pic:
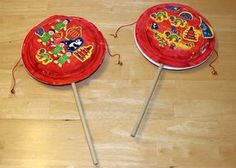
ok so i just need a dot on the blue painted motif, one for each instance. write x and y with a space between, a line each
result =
186 15
40 31
173 29
154 26
73 45
173 8
206 30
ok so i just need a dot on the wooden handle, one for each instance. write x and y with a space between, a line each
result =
144 109
85 125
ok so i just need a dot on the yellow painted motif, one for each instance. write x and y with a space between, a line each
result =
160 16
43 56
175 39
191 34
177 22
84 53
172 40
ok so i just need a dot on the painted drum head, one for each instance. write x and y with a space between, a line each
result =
174 35
62 50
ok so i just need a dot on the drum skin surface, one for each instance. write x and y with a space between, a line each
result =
62 50
174 35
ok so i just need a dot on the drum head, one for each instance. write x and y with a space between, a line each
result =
174 35
62 50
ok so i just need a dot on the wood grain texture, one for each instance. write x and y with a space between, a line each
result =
191 121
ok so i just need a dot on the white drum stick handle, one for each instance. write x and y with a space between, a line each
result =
145 105
85 125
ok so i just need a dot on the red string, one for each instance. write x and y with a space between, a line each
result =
115 35
119 62
13 76
214 72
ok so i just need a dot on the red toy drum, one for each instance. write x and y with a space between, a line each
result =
62 50
174 35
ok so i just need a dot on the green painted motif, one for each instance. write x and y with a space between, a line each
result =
179 21
60 25
57 49
160 15
45 37
46 56
63 59
162 43
174 37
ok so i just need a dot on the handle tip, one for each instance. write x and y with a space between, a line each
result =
132 135
96 164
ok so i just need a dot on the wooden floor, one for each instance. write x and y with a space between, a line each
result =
191 122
